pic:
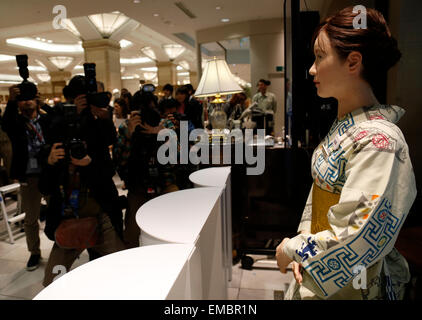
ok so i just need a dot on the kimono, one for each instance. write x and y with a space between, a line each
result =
364 187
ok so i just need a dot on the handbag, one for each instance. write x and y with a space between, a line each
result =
78 233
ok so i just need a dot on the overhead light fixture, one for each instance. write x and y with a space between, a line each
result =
173 50
44 77
107 23
78 67
61 62
150 75
149 69
183 74
40 64
135 60
125 43
5 57
225 20
136 1
71 27
10 77
34 68
43 46
147 51
156 15
218 8
184 64
132 77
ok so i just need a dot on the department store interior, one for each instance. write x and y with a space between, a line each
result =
208 225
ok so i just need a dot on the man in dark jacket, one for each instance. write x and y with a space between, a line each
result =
26 125
194 109
86 176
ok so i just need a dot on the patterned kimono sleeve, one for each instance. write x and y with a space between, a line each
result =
305 222
375 200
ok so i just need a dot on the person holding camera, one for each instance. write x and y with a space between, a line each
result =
26 125
77 175
135 154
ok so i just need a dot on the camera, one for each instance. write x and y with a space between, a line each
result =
87 85
28 90
145 102
73 146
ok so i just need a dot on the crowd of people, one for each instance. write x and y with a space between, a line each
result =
69 153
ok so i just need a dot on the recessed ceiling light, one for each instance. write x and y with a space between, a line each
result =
136 1
156 15
38 38
225 20
49 41
218 8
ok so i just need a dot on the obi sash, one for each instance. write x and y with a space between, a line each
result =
322 201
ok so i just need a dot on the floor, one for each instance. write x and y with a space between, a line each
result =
264 282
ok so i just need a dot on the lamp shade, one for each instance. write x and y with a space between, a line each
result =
217 79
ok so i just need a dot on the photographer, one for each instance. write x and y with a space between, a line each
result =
25 124
77 174
135 154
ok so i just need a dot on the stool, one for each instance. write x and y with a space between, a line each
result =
18 215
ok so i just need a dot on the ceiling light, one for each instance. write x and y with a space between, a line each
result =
136 1
135 60
78 67
149 69
10 77
44 77
50 41
34 68
48 47
156 15
71 27
183 74
225 20
61 62
41 64
173 50
184 64
125 43
218 8
5 57
149 75
147 51
107 23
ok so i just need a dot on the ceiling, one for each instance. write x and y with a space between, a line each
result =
157 22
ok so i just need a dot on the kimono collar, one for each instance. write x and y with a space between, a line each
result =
377 112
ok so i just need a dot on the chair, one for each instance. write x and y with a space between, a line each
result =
18 216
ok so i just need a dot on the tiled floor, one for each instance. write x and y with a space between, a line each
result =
17 283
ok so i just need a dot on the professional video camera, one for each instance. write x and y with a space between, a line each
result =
28 90
145 103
